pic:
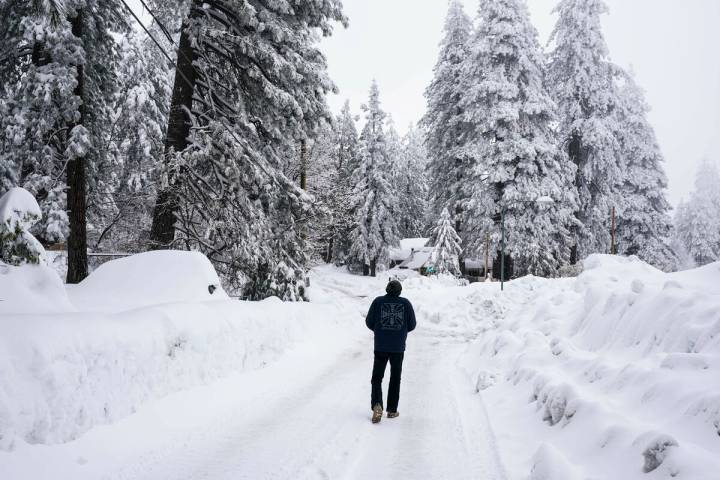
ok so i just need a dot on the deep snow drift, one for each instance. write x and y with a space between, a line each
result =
66 367
611 375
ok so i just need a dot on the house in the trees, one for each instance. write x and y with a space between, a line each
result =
414 254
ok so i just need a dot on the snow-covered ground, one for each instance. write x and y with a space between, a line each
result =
142 373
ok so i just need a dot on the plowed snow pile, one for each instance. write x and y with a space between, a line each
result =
613 375
140 328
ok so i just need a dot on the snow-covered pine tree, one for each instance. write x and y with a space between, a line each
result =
644 225
347 160
446 246
513 145
322 178
411 182
37 80
61 72
697 221
443 121
120 210
581 80
374 199
257 85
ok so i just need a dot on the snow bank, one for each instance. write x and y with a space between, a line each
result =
621 367
31 289
149 278
62 373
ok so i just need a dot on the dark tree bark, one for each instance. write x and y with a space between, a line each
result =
366 270
76 183
509 266
373 268
303 164
162 233
575 150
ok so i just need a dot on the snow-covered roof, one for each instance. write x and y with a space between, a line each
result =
417 259
406 248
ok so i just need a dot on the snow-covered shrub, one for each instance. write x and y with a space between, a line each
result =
284 282
19 211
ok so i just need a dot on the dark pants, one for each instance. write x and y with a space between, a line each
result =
381 360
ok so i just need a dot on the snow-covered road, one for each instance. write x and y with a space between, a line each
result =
305 416
611 375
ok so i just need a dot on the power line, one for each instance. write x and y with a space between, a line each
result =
160 24
190 84
148 33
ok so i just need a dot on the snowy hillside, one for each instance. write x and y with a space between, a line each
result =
606 376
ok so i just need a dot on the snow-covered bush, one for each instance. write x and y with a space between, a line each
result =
19 211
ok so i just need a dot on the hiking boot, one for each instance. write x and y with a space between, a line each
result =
393 414
377 413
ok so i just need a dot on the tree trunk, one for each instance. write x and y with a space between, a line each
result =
497 269
76 192
303 164
162 233
366 270
330 248
458 230
373 268
575 151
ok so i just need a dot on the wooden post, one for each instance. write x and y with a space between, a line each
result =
613 246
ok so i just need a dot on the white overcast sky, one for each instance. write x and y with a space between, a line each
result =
672 45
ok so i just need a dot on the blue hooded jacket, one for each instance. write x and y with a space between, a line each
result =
391 317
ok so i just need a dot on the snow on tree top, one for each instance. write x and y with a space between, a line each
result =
19 207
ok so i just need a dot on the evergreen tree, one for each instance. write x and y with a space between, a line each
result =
120 206
512 141
697 222
37 82
447 249
411 183
57 89
347 160
581 80
644 225
323 183
443 122
251 83
374 198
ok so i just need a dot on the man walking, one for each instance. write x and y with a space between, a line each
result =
391 317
